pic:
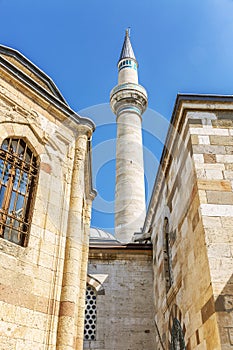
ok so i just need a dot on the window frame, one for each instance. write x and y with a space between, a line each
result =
177 336
90 336
19 172
167 255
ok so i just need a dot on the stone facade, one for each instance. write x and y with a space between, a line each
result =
42 284
193 195
125 315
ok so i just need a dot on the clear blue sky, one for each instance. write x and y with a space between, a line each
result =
181 46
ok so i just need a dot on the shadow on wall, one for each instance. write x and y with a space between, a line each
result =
224 309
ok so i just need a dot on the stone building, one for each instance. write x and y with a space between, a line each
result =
189 222
45 202
121 277
164 281
122 314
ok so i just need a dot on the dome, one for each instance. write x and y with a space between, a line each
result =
100 236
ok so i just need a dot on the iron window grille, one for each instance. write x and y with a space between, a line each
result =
18 179
90 314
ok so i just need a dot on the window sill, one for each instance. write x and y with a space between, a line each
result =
10 248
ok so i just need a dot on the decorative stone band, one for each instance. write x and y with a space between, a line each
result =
129 109
123 62
131 66
128 95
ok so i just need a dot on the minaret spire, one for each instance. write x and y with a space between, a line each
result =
128 101
127 50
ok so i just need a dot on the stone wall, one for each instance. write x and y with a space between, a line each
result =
213 156
37 282
193 191
125 315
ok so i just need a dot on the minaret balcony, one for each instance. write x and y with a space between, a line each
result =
128 94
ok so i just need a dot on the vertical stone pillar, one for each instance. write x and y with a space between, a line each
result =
74 257
83 276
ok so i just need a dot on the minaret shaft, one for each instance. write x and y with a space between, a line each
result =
130 190
129 101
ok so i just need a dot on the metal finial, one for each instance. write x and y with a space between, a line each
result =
128 32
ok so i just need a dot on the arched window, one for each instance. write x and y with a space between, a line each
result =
90 314
177 336
18 178
167 255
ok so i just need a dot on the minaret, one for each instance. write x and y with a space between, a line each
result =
128 101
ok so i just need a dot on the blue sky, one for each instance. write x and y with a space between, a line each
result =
181 46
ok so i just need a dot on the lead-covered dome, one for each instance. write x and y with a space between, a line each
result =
102 237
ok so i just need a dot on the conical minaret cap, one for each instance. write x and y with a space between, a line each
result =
127 50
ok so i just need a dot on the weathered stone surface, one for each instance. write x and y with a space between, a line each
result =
208 310
218 134
33 278
217 210
227 158
214 185
208 149
230 332
203 140
228 174
200 210
129 282
229 149
214 174
209 158
221 140
217 197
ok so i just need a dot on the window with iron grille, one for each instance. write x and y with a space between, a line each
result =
18 178
167 255
90 314
177 336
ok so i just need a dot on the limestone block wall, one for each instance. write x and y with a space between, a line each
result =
125 315
177 198
212 138
33 278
